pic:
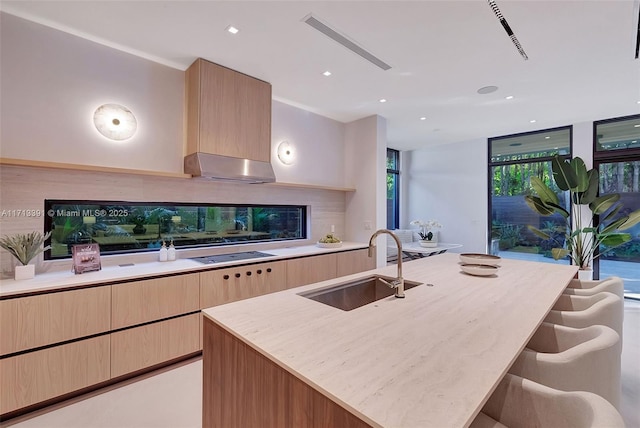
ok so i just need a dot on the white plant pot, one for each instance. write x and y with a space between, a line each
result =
25 272
428 244
585 274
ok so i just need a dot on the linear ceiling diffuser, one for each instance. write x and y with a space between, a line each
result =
344 41
507 28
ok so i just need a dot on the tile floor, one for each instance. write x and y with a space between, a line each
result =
171 398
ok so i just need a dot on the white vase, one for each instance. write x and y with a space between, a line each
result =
585 274
24 272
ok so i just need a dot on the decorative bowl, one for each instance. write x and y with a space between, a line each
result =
480 259
329 244
479 270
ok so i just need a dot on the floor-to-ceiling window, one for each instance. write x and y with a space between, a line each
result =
513 160
393 189
616 154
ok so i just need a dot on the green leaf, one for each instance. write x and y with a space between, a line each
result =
538 232
590 193
543 191
613 226
559 253
563 174
580 171
632 220
603 203
536 204
616 239
612 214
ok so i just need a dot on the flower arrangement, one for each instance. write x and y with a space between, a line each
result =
426 228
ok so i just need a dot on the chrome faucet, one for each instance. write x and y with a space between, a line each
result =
397 283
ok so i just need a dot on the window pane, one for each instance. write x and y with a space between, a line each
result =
618 135
530 145
392 201
128 227
623 261
510 215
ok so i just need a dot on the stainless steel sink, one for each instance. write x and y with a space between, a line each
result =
353 294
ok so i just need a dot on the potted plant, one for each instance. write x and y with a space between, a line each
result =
24 247
582 238
428 236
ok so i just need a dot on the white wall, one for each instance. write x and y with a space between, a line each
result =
448 183
365 157
51 84
317 142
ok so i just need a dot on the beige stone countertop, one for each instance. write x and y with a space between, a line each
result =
429 360
67 279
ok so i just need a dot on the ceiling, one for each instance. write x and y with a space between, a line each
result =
581 64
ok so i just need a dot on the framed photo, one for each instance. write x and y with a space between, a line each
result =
86 258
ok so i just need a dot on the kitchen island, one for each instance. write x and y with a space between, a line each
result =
429 360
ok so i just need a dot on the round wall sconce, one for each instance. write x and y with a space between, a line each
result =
115 122
286 153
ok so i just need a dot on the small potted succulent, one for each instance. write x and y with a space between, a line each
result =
428 234
25 247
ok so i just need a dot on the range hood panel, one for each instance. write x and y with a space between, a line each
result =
218 167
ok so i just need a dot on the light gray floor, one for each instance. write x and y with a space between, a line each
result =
172 398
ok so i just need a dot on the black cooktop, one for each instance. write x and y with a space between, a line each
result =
230 257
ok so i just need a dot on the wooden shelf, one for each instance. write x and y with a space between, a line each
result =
93 168
312 186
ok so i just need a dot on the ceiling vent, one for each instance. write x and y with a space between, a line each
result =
344 41
507 28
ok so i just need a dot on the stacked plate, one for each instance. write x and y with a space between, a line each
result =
480 264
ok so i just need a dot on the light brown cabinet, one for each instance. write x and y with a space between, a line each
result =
140 347
153 299
228 113
40 375
34 321
222 286
355 261
307 270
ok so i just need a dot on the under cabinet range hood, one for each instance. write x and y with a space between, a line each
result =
219 167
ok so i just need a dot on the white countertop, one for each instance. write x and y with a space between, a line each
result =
66 279
429 360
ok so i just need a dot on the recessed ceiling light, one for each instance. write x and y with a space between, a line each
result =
532 121
637 102
487 90
636 126
232 29
327 73
555 148
383 100
634 141
547 137
509 97
423 118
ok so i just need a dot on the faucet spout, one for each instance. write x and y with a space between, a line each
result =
398 283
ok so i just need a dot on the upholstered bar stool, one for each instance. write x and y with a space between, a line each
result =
572 359
583 311
522 403
612 284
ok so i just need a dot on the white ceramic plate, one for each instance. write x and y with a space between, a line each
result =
480 259
479 270
329 244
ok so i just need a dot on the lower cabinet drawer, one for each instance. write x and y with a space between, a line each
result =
40 375
140 347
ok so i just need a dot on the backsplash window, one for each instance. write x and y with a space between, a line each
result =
128 227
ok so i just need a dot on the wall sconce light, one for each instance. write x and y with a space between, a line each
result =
115 122
286 153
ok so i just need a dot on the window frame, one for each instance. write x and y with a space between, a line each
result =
396 191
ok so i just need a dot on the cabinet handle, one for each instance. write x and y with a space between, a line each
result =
268 269
259 271
248 273
237 275
226 277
